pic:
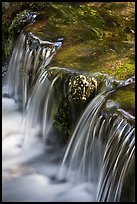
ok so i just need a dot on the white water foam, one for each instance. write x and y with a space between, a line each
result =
30 171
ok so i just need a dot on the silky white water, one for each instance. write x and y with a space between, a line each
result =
30 172
36 165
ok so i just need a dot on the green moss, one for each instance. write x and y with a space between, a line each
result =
95 58
63 119
98 37
73 90
120 72
105 30
125 97
14 19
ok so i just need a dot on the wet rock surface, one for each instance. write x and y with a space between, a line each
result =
96 38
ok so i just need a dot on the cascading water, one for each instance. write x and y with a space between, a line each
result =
94 163
101 147
40 106
30 55
118 155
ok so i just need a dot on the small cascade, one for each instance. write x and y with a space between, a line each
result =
101 147
30 56
40 106
82 137
118 155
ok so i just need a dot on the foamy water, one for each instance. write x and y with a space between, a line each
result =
30 168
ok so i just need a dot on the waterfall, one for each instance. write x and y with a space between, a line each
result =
30 56
119 152
102 146
40 106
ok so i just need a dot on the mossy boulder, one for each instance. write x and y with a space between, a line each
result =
15 16
98 38
124 97
81 87
73 91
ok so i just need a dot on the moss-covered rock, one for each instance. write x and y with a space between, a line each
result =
98 37
81 87
15 16
125 98
74 90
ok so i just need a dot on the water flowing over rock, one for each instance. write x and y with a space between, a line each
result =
30 56
100 147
